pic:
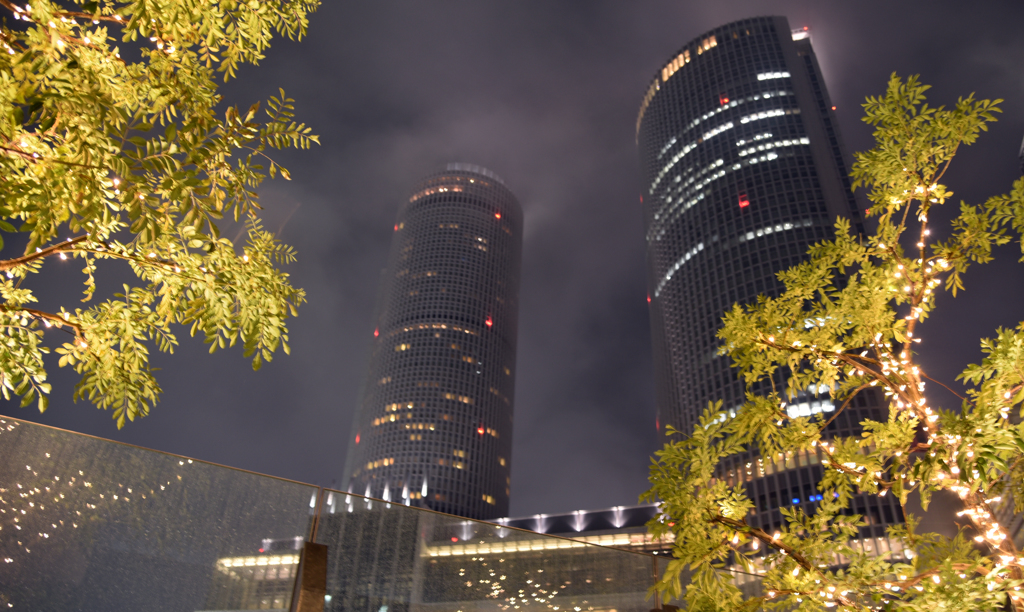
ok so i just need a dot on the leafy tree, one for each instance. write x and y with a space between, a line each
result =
105 158
848 320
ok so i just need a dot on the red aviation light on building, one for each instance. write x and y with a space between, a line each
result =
723 99
376 333
497 215
648 299
489 322
396 227
357 438
454 539
744 200
480 430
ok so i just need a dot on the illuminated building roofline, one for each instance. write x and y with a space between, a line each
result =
475 169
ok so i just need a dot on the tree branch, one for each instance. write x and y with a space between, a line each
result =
923 375
39 314
9 264
33 158
7 4
760 534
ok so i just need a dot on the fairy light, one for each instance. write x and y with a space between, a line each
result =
72 495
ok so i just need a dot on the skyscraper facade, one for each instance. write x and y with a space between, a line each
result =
434 422
742 170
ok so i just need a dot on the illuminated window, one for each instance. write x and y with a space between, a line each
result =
380 463
501 461
465 399
680 60
429 426
459 453
433 190
653 89
402 347
706 44
398 406
767 76
489 499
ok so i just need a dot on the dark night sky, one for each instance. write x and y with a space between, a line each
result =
546 95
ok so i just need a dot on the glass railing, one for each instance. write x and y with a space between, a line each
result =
90 524
386 557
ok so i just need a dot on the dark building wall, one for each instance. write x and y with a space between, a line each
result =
436 406
1021 157
742 170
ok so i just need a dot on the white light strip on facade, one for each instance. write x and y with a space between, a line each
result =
679 264
718 130
805 409
767 76
657 229
775 145
675 159
755 138
777 112
751 235
690 185
774 229
697 121
668 145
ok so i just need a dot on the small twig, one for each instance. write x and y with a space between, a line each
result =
923 375
845 404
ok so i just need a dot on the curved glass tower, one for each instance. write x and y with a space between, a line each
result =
742 170
434 422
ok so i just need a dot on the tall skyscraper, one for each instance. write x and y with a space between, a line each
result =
434 422
742 169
